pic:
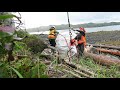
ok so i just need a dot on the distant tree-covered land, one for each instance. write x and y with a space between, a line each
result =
65 26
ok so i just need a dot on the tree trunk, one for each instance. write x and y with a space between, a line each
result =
104 60
104 46
109 51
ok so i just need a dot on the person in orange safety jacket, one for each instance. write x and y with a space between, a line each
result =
52 36
79 41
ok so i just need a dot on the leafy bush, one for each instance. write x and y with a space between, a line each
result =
22 33
24 67
20 46
5 37
35 44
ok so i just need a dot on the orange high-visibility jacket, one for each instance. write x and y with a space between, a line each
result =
82 40
52 34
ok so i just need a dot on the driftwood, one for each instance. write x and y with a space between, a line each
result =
84 70
109 51
73 70
77 76
76 66
104 46
104 60
82 74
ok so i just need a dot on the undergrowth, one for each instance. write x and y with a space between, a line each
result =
25 67
100 70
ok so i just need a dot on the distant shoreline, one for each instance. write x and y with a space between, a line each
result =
88 30
65 26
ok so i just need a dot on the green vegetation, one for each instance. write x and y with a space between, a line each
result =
23 67
5 37
34 67
29 62
99 70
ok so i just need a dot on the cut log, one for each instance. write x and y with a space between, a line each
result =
104 60
73 70
104 46
82 74
76 66
109 51
84 70
77 76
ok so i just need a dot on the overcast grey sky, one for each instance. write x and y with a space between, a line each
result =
37 19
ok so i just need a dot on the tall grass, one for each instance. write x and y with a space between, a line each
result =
99 70
18 73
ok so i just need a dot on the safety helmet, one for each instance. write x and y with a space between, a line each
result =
82 29
52 26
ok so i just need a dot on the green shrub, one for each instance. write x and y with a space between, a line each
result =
35 44
24 67
22 33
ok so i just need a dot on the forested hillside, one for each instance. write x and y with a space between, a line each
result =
65 26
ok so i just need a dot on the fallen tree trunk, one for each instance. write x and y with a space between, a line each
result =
73 70
104 60
104 46
109 51
77 76
84 70
76 66
82 74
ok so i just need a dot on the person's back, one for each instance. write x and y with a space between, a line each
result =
81 37
52 36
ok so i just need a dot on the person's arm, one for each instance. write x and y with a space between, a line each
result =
56 32
78 30
83 33
78 37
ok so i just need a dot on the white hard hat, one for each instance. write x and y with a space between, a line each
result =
52 26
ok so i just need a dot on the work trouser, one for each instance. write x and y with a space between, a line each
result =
80 49
52 42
